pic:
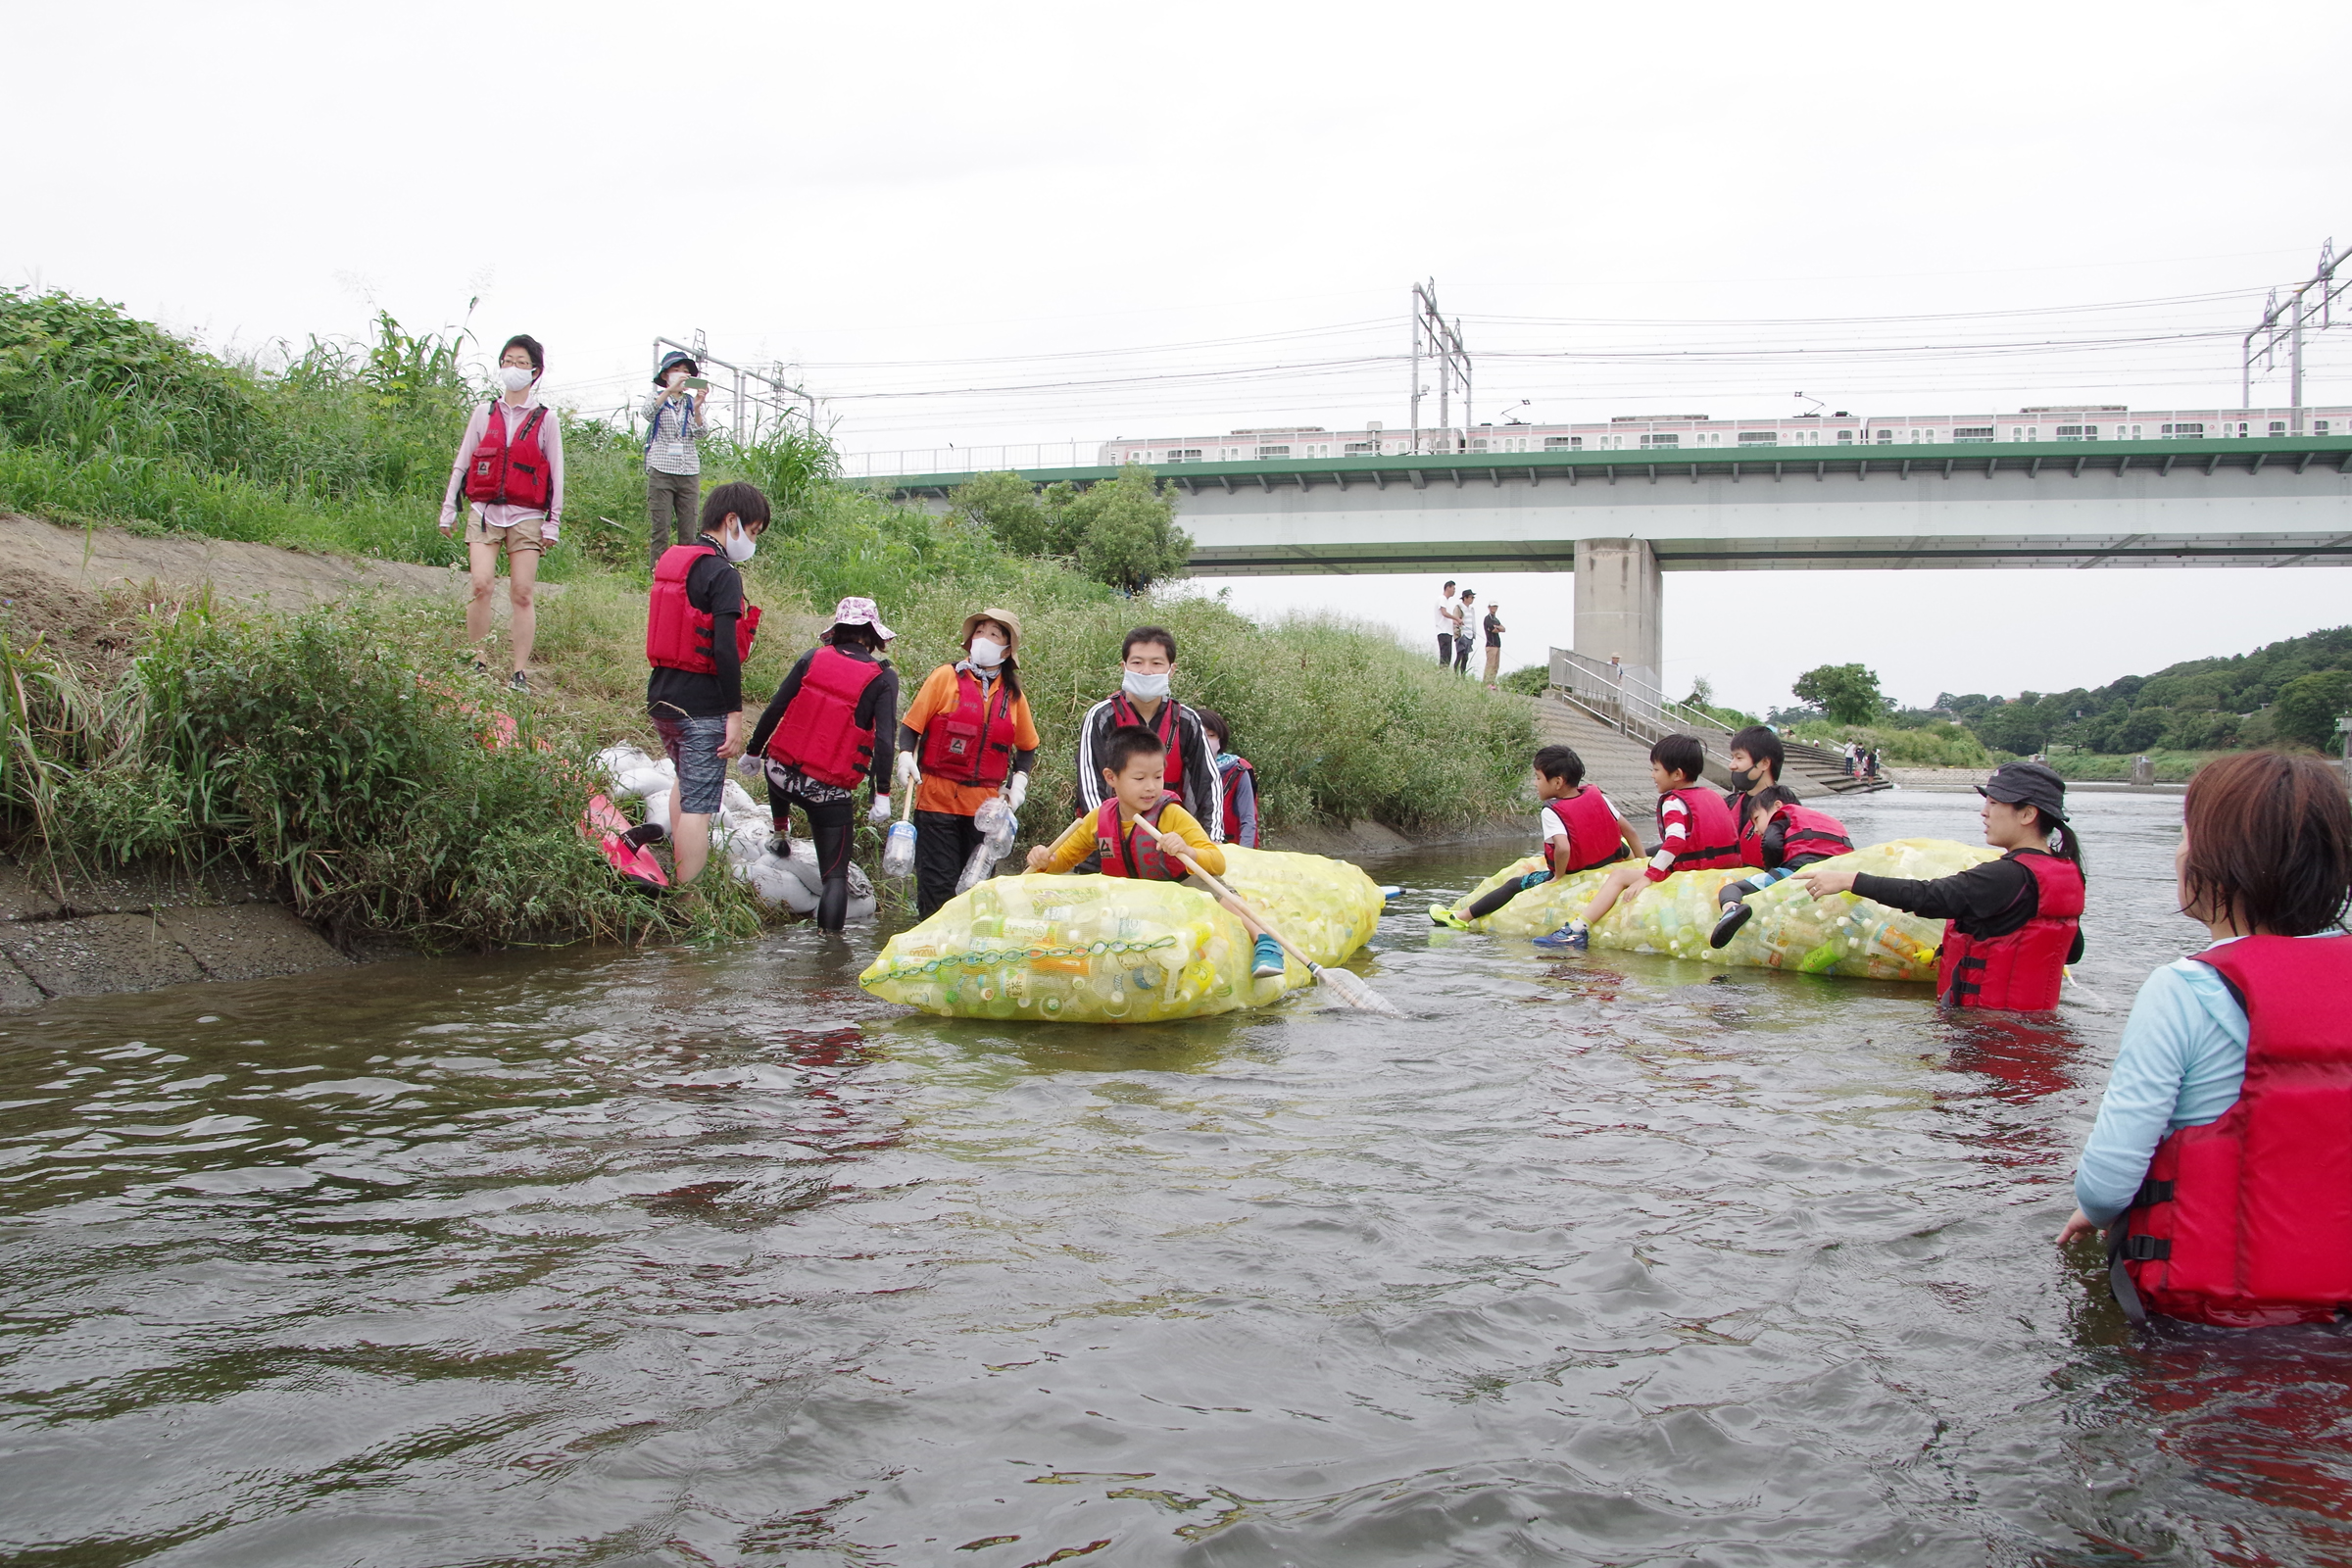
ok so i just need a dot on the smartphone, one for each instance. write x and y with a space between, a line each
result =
697 383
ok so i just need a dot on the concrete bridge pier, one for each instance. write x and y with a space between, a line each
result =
1620 606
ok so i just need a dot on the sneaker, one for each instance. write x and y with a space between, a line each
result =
1573 937
1445 914
1729 927
481 669
1267 958
520 683
644 833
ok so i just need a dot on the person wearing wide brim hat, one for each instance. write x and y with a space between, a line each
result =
675 423
2011 925
832 726
967 738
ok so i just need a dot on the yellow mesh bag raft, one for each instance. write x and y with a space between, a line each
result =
1790 930
1116 950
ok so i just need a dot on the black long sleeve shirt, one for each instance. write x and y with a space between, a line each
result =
712 585
877 710
1990 899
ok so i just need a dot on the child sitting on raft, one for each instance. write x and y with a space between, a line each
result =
1135 776
1777 834
1695 833
1581 829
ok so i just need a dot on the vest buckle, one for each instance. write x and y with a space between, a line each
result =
2146 1249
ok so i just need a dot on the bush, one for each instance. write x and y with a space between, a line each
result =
1122 533
1528 680
1934 745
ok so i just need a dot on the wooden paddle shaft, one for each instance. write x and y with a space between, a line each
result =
1223 892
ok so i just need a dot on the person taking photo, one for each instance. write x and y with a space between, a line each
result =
674 426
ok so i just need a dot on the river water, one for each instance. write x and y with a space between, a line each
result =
704 1257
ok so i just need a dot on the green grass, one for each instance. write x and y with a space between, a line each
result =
1936 745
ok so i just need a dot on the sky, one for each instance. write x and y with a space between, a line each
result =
1034 224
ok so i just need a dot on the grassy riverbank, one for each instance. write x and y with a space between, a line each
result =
341 749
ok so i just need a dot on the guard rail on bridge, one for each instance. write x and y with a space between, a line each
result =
1632 706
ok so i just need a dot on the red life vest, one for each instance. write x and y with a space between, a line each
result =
1227 766
513 473
819 732
1593 836
1807 832
1127 852
1713 837
2021 971
2247 1220
1163 724
971 743
678 636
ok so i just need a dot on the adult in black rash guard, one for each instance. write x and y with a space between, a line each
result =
2011 925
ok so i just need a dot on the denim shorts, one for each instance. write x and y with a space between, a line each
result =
693 745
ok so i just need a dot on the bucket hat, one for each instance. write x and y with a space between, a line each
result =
673 359
1004 617
862 613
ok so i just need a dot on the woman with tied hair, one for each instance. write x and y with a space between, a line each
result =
2220 1163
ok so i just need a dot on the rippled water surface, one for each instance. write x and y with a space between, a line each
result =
704 1257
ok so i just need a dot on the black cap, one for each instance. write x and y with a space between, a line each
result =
675 357
2027 784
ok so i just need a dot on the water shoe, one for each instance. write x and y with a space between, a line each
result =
520 682
644 833
1573 937
1266 958
1446 915
1729 927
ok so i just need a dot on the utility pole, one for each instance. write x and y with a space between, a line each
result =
1445 342
2313 303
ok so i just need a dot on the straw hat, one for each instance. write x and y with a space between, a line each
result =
1003 618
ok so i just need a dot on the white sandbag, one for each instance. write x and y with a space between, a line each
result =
657 809
773 879
735 800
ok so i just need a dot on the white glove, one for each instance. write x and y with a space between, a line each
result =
909 775
878 812
750 766
1018 792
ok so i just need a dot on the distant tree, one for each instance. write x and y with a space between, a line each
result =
2309 705
1126 532
1848 693
1009 506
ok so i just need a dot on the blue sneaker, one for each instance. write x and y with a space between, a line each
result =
1572 938
1266 959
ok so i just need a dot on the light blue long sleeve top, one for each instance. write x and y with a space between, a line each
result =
2181 1063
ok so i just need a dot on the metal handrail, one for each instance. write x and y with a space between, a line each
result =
1628 702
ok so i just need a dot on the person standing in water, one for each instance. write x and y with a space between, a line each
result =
674 426
2217 1162
509 469
2011 925
968 739
698 632
1147 666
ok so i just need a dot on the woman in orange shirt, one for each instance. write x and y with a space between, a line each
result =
966 738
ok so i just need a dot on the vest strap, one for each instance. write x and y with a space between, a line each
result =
2119 1278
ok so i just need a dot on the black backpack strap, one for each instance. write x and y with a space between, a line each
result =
2119 1278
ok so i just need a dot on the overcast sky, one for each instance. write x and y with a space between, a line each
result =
1037 223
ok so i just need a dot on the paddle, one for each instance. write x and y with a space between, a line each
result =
1349 987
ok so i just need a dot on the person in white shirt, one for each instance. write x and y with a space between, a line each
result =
512 476
1449 625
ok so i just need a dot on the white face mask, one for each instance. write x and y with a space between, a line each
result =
515 377
986 654
1149 688
740 546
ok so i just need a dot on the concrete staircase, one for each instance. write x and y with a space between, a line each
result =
1818 770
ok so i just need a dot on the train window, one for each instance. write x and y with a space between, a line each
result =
2194 431
1564 443
1885 435
2319 427
1972 432
1759 438
2136 433
2278 428
1846 437
1661 440
1265 453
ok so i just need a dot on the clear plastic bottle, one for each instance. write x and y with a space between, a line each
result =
996 825
897 851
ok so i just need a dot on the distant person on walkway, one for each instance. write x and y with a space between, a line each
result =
2215 1163
1449 621
1695 833
1779 835
1493 628
509 466
2011 925
1466 631
832 725
698 632
968 739
674 425
1236 778
1147 671
1581 828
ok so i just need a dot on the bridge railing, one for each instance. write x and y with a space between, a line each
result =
1631 704
970 459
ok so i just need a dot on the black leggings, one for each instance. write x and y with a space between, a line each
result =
1736 892
1496 898
833 824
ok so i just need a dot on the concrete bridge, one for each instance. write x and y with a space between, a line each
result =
1619 518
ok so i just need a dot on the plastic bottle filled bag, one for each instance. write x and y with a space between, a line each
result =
996 825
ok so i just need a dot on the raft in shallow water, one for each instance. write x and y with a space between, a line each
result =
1791 929
1113 949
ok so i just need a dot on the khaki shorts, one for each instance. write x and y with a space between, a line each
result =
523 535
